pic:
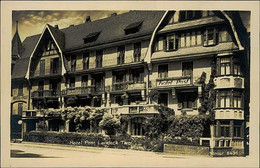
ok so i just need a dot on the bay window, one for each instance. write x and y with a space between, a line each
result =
225 66
225 99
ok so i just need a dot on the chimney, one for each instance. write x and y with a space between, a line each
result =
88 19
113 14
56 26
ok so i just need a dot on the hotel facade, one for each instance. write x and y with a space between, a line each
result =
116 62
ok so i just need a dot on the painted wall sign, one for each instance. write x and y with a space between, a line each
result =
174 82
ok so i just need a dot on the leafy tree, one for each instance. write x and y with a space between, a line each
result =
110 123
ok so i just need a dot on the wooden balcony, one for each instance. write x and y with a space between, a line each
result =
79 90
126 86
169 82
46 93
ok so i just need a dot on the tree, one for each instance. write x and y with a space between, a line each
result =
110 123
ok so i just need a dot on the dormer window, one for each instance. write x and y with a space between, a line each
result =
210 37
133 28
171 43
91 37
189 15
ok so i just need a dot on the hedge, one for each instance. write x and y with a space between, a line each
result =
100 140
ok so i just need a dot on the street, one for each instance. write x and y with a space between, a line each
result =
51 155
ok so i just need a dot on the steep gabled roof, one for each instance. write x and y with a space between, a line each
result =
21 66
59 36
17 47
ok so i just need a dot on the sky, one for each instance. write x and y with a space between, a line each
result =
32 22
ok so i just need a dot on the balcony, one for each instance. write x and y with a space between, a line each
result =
175 81
126 86
223 142
46 93
134 109
32 113
79 90
229 114
229 82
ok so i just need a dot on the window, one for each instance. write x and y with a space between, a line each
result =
210 37
171 43
189 15
163 99
73 63
225 131
163 71
20 108
119 100
91 37
137 126
187 100
136 75
97 102
237 131
225 99
137 52
121 55
40 88
85 61
72 82
84 82
225 66
236 66
20 89
42 67
133 28
190 39
99 55
55 65
237 99
187 68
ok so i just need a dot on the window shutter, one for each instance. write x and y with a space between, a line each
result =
194 104
205 38
215 35
59 67
232 98
242 100
218 66
51 66
164 45
218 97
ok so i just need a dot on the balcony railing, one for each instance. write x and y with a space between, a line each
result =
46 93
222 142
79 90
123 86
175 81
133 109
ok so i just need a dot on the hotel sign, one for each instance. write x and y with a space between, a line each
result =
174 82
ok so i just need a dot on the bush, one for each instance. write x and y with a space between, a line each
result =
110 123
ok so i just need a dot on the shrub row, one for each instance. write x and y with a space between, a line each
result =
100 140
